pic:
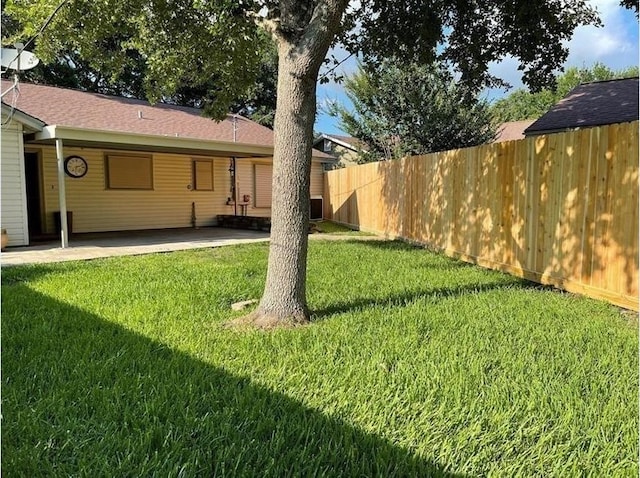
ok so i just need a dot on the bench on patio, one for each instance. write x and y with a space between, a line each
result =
254 223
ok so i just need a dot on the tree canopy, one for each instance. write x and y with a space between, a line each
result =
523 105
72 68
185 43
401 110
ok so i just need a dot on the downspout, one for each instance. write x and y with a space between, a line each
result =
62 196
233 160
234 186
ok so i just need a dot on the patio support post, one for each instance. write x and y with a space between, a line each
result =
62 196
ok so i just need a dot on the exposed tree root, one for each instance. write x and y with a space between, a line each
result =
262 321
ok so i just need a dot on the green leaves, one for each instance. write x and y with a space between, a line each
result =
522 105
165 45
468 35
412 109
169 43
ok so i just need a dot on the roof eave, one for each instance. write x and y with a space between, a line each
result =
54 132
32 123
344 144
151 142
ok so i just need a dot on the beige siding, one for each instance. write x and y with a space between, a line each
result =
346 156
96 208
255 181
14 199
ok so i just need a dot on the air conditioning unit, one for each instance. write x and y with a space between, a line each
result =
315 209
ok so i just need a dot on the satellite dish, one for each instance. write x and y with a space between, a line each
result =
18 60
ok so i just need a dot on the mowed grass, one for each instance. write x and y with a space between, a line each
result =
329 227
414 365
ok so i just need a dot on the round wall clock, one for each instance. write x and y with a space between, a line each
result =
75 166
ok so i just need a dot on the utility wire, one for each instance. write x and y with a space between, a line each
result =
45 25
14 87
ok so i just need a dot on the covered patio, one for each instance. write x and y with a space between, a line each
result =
126 243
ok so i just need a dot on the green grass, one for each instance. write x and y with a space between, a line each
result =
414 365
328 227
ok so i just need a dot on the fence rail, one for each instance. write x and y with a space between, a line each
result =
560 209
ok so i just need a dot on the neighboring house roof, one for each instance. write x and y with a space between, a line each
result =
512 130
348 142
591 104
74 109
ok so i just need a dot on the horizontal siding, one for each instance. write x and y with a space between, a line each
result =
13 199
96 208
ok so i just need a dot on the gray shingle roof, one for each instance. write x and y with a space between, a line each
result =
591 104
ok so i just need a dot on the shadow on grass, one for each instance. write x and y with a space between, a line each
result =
27 273
405 298
83 396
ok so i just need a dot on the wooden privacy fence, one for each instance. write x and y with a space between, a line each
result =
559 209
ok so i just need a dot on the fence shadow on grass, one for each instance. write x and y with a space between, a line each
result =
83 396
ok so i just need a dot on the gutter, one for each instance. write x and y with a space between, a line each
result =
75 136
31 122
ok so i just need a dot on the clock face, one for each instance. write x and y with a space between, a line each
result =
75 166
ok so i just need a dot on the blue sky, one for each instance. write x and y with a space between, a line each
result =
615 44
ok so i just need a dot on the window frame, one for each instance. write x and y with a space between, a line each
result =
109 168
194 173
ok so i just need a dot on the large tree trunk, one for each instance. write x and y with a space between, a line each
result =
303 35
284 298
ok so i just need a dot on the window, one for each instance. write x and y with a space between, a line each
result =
128 171
262 175
328 146
203 175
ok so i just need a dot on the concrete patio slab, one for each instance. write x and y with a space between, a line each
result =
130 243
93 246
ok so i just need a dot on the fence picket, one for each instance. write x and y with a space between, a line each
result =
560 209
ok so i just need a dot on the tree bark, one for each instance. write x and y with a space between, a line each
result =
284 298
300 55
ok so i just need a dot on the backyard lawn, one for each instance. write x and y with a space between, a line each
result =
414 365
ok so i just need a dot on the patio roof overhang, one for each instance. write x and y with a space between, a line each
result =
81 137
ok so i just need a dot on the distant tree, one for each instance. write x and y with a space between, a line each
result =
400 110
258 102
522 104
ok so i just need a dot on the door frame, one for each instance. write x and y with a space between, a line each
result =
40 215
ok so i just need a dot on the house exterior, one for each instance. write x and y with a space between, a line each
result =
15 125
591 104
344 149
117 164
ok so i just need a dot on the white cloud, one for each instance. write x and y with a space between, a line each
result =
614 44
